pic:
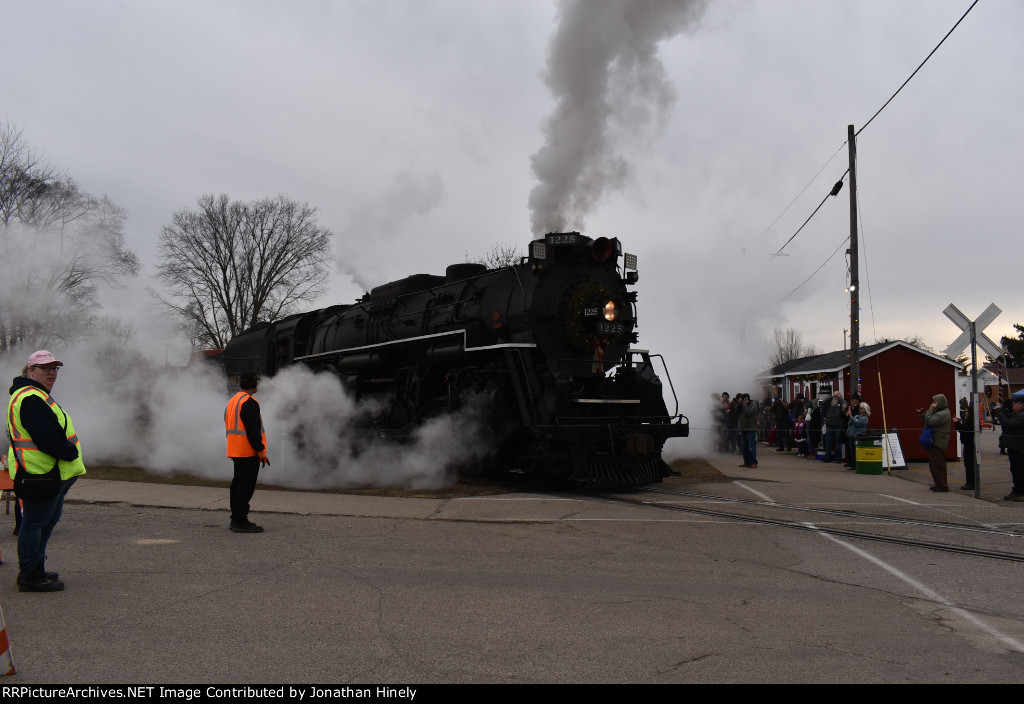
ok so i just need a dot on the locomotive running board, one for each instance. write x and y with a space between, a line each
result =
609 400
407 340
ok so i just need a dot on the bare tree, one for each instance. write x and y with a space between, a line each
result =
23 174
230 265
60 245
787 345
498 256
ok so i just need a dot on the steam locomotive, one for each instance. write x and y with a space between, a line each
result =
541 352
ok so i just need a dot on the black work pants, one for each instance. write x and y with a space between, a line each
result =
243 485
970 460
1017 471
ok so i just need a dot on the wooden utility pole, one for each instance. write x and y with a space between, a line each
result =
854 268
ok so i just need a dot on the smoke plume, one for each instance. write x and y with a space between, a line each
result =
381 220
613 97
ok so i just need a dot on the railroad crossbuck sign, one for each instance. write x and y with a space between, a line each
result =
964 323
972 335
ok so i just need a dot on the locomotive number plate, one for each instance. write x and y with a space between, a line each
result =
591 312
604 328
563 239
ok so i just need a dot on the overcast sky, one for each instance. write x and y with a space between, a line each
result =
410 124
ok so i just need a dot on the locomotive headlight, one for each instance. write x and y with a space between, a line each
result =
611 311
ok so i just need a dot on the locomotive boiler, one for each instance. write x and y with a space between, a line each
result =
541 352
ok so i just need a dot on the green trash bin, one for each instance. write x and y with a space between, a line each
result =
870 454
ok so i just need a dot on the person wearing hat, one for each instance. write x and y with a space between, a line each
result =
247 448
938 418
43 443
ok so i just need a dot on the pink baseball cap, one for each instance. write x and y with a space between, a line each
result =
41 357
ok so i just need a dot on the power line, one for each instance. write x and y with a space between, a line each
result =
867 270
804 189
845 240
918 68
834 191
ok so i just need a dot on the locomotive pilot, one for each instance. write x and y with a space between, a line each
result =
247 448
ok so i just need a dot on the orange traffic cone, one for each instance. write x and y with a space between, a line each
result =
6 663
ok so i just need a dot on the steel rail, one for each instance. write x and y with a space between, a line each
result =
941 547
844 513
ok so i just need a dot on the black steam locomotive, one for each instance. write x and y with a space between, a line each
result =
539 351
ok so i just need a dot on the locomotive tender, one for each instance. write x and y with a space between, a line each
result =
539 351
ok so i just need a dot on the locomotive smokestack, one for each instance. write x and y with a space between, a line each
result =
612 94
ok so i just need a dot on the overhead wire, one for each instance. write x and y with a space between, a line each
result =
863 127
867 269
845 240
804 189
834 192
917 69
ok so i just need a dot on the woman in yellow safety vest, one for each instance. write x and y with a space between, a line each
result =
43 441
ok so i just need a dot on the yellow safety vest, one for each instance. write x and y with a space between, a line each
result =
23 451
238 443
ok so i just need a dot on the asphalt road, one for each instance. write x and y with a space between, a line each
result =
518 588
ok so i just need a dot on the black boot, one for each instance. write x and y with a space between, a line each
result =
38 581
245 526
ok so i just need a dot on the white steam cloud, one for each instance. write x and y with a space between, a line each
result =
321 437
171 419
612 95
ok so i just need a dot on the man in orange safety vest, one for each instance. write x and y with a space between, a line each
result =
247 448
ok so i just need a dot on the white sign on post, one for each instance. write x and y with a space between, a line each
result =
893 451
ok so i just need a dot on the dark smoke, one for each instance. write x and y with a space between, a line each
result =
613 97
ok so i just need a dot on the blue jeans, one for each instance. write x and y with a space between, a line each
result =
832 446
783 438
38 517
748 439
851 449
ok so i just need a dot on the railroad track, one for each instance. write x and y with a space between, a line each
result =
813 528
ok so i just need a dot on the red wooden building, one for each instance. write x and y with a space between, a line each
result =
896 379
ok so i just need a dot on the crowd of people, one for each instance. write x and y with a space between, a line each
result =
826 429
800 427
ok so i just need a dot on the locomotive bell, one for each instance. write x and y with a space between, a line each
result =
603 249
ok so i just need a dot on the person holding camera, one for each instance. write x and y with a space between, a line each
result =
938 418
858 426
